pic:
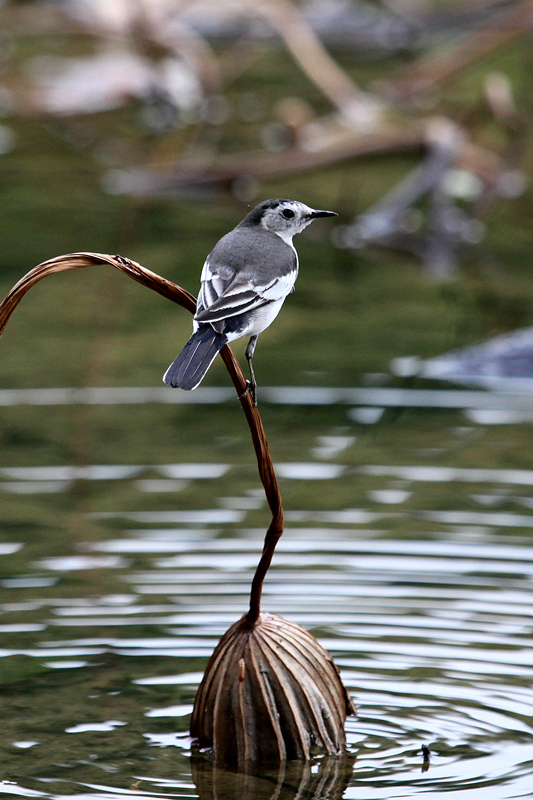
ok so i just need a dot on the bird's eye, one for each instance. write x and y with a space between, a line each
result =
288 213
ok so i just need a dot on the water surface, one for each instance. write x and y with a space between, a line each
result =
416 576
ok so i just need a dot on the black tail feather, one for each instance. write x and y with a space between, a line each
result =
189 368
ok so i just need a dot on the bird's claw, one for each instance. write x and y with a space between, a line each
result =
251 389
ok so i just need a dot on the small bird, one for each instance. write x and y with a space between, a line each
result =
245 279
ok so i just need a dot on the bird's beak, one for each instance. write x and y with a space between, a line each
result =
315 214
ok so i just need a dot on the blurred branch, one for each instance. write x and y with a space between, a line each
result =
360 125
384 218
223 173
358 108
437 69
183 298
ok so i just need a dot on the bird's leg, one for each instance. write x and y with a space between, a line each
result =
252 384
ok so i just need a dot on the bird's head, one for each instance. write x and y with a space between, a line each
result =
284 217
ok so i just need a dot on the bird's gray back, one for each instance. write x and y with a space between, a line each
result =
252 253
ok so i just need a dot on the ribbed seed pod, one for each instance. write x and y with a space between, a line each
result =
270 693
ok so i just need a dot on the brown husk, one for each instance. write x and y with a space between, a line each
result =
270 692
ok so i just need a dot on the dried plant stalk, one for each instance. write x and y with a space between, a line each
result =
80 260
178 295
270 692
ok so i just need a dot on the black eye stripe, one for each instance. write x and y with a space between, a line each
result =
288 213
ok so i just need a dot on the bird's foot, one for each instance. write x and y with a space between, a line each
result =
251 389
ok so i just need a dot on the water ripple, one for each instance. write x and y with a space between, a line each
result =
432 636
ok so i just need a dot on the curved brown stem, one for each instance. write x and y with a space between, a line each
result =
178 295
268 479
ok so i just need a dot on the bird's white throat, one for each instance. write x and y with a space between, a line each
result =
286 236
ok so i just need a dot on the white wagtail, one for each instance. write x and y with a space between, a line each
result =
245 279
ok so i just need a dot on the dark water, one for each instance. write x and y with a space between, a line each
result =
418 578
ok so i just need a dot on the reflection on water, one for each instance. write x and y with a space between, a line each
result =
514 397
327 779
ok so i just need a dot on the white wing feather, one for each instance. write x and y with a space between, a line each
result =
219 299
